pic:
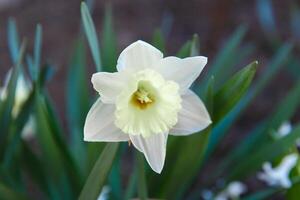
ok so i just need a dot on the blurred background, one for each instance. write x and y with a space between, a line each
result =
269 24
212 20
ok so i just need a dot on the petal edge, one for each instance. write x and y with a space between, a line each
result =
193 117
99 125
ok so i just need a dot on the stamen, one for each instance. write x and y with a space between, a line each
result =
142 98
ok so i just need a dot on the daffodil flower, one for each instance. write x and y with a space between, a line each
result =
284 129
147 99
233 191
22 91
279 176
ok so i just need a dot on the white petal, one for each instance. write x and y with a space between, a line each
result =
137 56
193 117
183 71
99 125
154 149
108 85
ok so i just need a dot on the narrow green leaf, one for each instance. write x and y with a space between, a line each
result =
266 17
263 194
59 161
221 128
189 160
185 50
226 57
142 186
209 100
131 186
232 91
195 46
46 139
37 52
158 40
99 173
190 48
293 192
13 40
77 101
268 152
109 55
31 68
33 165
91 35
261 134
8 103
17 126
7 193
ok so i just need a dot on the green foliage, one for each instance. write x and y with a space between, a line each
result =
232 91
60 165
158 40
109 55
142 187
96 179
91 35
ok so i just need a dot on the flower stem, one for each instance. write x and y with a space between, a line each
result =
142 186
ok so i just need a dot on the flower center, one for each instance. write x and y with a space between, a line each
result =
148 104
142 98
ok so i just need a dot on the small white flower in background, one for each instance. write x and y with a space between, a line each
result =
284 130
233 191
207 194
279 176
29 129
147 99
21 94
104 194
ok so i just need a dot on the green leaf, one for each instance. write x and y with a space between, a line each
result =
17 126
158 40
7 193
77 99
232 91
189 160
59 161
190 48
262 194
142 186
131 186
293 192
261 134
34 70
195 46
33 165
109 55
8 103
91 35
13 40
268 152
46 138
99 173
221 128
185 50
226 57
